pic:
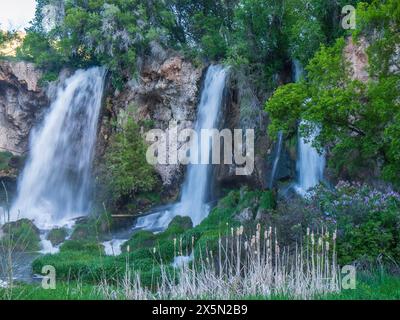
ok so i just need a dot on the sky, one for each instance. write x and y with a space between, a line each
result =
16 14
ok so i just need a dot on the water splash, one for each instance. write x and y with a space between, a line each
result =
113 247
54 186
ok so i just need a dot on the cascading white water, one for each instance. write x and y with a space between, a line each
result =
197 185
195 192
276 159
310 163
55 182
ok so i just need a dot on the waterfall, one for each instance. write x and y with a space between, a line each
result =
54 185
276 159
310 163
195 192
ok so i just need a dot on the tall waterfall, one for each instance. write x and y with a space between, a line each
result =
195 192
55 183
310 163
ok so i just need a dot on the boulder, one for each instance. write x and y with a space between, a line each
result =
246 215
57 236
181 223
21 236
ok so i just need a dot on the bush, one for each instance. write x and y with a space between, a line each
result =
367 221
126 172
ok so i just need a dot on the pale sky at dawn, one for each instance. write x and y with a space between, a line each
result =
16 14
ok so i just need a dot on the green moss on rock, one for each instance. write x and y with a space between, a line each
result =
93 228
57 236
21 235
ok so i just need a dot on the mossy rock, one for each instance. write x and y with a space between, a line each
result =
21 235
57 236
179 225
93 228
141 239
184 223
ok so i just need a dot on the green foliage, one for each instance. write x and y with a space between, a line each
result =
63 291
221 219
367 221
126 172
86 246
37 48
285 108
375 285
259 36
357 120
84 258
6 37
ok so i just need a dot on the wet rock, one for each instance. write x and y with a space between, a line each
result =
57 236
182 223
246 215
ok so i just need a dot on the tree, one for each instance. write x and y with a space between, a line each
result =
126 172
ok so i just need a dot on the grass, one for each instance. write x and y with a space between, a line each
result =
81 256
370 286
63 291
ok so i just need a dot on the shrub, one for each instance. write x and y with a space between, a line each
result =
126 172
367 220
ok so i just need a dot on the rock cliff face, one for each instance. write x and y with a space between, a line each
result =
164 95
21 102
245 110
356 55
